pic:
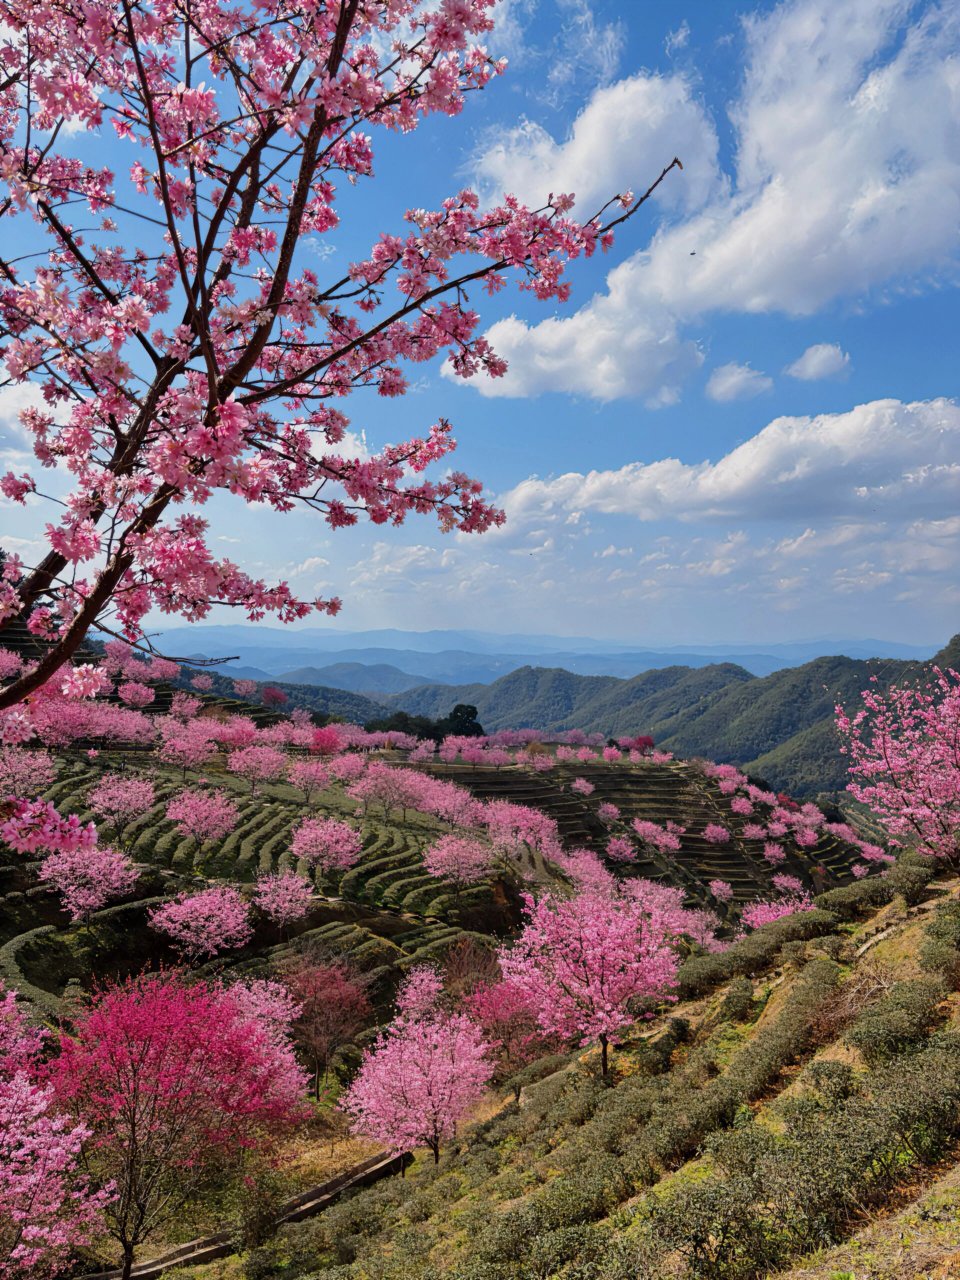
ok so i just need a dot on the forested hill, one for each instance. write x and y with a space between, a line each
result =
778 726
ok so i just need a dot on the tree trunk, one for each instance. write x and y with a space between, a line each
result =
127 1265
603 1056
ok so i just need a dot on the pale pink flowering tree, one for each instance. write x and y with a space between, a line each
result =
205 815
326 843
715 833
23 773
205 923
424 1074
582 787
621 849
665 838
87 879
765 911
203 682
36 825
47 1207
284 897
608 812
587 961
392 788
257 765
722 890
461 859
245 689
904 752
188 744
119 799
135 694
310 776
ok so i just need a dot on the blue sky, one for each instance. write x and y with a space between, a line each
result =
744 425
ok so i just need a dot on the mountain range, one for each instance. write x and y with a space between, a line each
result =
777 724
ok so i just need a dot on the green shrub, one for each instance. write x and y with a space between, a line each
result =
898 1021
910 875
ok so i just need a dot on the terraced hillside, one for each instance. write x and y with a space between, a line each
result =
796 1114
676 791
384 913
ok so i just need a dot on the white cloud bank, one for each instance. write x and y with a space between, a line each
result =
847 181
879 459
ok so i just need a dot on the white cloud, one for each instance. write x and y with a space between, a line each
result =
310 565
678 39
847 182
824 360
626 132
737 382
880 458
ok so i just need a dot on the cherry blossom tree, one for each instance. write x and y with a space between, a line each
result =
587 961
87 879
904 751
508 1017
235 151
24 773
175 1082
461 859
205 815
205 923
425 1072
257 765
120 799
37 826
188 743
245 689
47 1208
273 697
582 787
310 776
722 890
284 897
333 1008
327 844
664 838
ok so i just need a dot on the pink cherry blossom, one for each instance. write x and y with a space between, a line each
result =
205 923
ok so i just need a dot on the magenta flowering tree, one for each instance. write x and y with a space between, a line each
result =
327 844
257 765
461 859
284 897
87 879
587 961
205 815
120 799
205 923
425 1072
904 753
173 1082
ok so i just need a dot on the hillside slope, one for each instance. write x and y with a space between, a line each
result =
779 726
808 1078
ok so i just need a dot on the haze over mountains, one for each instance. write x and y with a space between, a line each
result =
466 657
